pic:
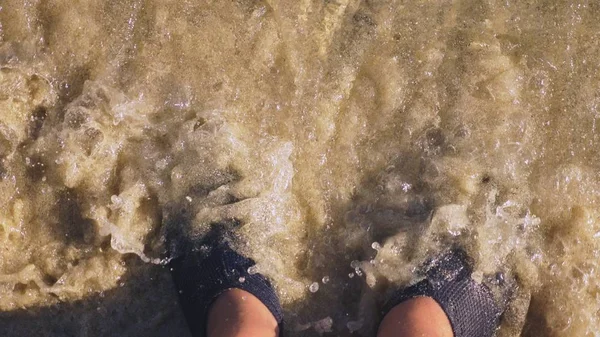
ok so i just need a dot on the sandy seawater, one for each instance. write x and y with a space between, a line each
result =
344 142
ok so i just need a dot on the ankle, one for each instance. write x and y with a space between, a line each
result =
237 313
419 316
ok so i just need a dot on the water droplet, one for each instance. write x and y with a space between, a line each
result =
253 270
500 278
376 246
314 287
351 275
242 279
325 279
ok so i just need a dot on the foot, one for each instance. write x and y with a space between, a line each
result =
419 316
238 313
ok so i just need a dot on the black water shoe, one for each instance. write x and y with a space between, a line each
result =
202 274
472 308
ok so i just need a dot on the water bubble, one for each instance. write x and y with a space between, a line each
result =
325 279
162 164
406 187
253 270
242 279
351 275
314 287
116 201
500 277
554 269
356 265
376 246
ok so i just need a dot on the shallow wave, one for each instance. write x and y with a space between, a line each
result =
345 141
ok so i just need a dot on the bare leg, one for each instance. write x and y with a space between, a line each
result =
417 317
238 313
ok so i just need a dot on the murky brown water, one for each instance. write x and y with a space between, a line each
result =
351 139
